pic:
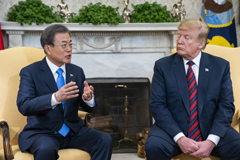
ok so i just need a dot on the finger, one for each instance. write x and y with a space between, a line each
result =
70 88
88 95
72 96
196 143
72 92
196 153
69 84
84 96
91 87
90 92
85 84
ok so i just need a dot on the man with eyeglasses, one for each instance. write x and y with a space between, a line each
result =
50 94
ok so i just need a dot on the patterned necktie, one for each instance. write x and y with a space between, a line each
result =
194 129
60 82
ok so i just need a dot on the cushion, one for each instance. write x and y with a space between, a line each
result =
64 154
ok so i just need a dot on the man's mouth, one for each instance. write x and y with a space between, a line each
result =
69 56
180 48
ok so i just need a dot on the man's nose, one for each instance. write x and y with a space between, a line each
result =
68 48
179 40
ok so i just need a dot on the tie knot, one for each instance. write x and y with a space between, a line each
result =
59 71
190 63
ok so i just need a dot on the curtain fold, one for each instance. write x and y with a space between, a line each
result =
1 39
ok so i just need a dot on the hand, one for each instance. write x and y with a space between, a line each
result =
205 148
87 92
68 91
187 145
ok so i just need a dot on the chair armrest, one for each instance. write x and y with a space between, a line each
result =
86 117
238 114
6 140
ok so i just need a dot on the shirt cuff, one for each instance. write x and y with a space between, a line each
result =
214 138
179 135
90 103
54 102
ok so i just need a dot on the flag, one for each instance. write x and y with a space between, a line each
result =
219 16
1 40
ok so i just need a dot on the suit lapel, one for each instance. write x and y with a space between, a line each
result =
48 76
203 80
69 74
69 77
181 80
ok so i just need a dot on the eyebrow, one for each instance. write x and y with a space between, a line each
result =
66 41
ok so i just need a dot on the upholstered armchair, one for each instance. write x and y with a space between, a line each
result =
11 121
233 56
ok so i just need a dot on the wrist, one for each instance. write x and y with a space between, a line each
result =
211 143
55 95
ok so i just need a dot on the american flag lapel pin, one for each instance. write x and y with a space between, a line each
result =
71 75
206 70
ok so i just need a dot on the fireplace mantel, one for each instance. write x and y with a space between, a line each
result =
125 50
14 26
90 38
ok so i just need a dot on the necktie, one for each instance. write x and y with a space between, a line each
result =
60 82
194 129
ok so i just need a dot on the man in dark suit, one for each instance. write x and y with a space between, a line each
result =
50 94
192 101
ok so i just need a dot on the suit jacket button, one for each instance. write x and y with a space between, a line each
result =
188 121
55 132
64 120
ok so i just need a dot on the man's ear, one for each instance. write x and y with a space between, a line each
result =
47 48
201 44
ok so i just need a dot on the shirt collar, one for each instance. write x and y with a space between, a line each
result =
53 67
196 60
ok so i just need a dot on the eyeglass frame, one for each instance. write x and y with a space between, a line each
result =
64 46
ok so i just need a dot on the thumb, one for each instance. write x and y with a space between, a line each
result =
85 84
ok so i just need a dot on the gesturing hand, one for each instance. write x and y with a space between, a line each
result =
68 91
87 92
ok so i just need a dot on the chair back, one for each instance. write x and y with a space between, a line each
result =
233 56
12 60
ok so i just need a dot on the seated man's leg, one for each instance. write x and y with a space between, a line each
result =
228 147
157 148
97 143
45 148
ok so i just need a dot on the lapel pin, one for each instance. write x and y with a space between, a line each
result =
71 75
206 70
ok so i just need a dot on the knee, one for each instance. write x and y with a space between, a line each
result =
152 147
47 153
106 139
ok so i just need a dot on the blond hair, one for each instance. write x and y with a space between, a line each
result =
191 24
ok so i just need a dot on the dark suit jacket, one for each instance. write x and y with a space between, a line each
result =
169 99
37 85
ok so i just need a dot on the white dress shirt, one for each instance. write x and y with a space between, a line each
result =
214 138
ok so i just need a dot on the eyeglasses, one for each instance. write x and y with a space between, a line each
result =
64 46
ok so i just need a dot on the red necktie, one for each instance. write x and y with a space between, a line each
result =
194 129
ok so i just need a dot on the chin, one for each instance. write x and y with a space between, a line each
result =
67 61
180 53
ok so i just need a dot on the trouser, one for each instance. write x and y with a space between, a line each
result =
97 143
